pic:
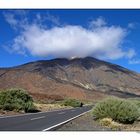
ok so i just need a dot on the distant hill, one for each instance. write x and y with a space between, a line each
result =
82 78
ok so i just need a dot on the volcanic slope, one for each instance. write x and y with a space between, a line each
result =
81 78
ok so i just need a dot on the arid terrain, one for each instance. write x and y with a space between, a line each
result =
51 82
87 123
80 78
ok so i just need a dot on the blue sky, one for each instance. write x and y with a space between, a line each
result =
30 35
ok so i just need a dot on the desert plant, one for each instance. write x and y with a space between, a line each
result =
135 101
15 99
108 122
72 102
29 107
119 110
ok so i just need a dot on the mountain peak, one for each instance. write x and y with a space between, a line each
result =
72 77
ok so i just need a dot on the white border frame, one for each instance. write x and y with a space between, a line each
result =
58 4
70 4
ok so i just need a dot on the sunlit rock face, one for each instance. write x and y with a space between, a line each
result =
83 78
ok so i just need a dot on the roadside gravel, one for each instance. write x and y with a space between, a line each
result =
83 123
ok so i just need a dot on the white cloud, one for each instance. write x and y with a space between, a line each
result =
131 25
70 41
16 19
11 19
131 53
134 61
98 22
52 18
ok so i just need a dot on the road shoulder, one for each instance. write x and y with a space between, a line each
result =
83 123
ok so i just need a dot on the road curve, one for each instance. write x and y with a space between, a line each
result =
41 121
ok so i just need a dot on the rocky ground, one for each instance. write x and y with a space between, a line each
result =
87 123
83 123
9 113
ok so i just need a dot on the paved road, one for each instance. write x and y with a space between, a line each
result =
39 121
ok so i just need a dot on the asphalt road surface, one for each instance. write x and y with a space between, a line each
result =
41 121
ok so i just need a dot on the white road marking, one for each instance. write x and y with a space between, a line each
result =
37 118
49 128
61 113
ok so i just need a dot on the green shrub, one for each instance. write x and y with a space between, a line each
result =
29 107
7 106
118 109
15 99
136 101
73 103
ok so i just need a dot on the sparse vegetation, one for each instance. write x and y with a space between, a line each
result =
108 122
72 102
135 101
50 107
16 99
119 110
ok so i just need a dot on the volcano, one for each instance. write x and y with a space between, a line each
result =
80 78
